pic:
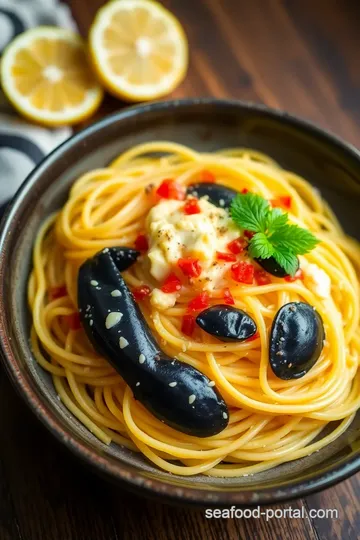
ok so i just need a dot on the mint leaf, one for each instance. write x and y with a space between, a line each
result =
294 238
260 246
274 235
276 219
249 211
287 260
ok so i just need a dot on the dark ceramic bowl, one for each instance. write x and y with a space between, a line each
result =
205 124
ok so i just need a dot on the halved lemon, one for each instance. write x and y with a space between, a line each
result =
139 49
46 75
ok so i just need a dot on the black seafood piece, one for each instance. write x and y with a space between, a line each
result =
218 195
273 267
296 340
227 323
123 257
175 392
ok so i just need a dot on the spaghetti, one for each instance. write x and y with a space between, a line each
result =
271 420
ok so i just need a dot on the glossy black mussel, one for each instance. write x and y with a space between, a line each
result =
274 268
227 323
175 392
296 340
218 195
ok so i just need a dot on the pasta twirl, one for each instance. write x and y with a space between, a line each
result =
271 420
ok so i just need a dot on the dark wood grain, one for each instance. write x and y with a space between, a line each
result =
298 55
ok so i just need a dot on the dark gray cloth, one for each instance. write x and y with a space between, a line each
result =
23 145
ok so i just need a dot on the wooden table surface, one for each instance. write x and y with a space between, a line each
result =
298 55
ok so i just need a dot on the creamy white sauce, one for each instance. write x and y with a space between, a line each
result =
161 300
173 234
317 280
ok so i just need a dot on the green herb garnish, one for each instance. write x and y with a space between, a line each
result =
274 235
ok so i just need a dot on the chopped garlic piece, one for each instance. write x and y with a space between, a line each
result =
112 319
123 342
115 293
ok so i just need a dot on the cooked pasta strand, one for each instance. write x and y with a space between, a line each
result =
271 421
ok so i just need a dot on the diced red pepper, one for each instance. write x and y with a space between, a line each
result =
237 246
255 336
262 277
249 234
286 201
199 302
169 189
57 292
207 176
141 243
141 292
188 325
243 272
171 284
282 202
244 191
228 257
73 321
299 274
192 207
189 266
228 297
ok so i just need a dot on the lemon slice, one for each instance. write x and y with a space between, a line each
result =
45 74
139 49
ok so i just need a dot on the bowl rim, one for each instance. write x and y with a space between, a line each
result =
118 472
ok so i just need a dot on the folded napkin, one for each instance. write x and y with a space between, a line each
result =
23 145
